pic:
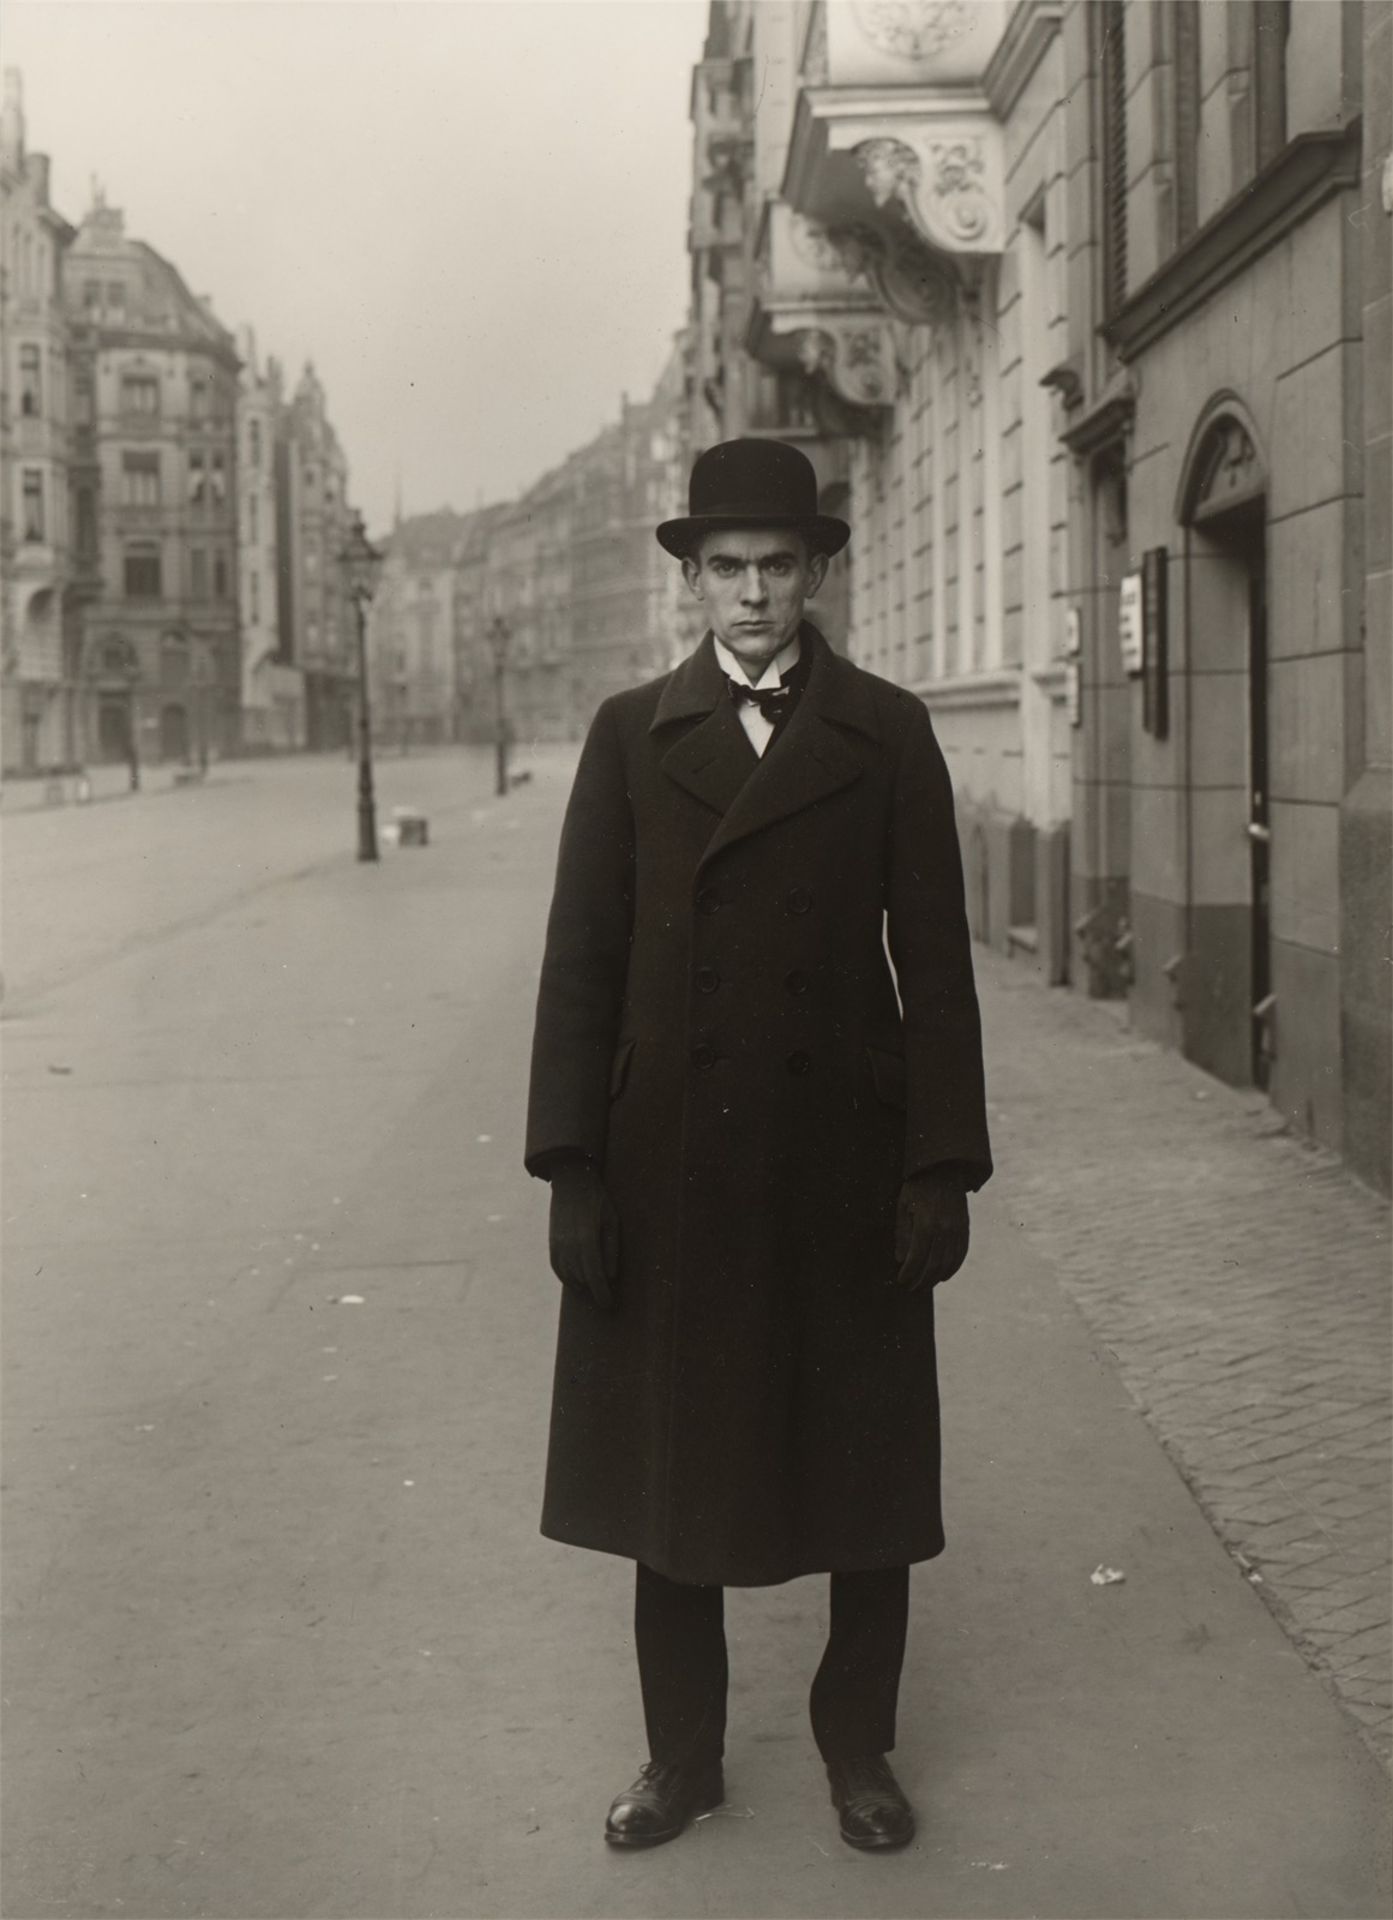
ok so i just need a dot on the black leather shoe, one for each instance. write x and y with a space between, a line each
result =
663 1801
875 1815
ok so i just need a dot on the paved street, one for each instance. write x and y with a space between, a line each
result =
282 1636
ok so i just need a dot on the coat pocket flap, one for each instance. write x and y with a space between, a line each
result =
619 1070
889 1073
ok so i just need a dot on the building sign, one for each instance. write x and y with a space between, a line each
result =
1073 634
1155 686
1130 631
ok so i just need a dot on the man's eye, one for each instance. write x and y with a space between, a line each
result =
776 566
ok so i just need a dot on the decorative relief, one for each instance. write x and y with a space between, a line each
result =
908 280
891 170
946 183
913 29
814 245
1232 470
856 358
958 171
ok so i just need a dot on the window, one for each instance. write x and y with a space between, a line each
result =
92 295
254 443
198 574
1110 16
198 481
140 479
217 477
140 393
30 382
116 298
86 503
33 490
142 572
174 659
1271 28
82 399
254 597
1184 17
253 518
198 398
220 576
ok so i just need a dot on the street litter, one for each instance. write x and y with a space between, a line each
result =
54 1069
484 1139
727 1813
409 827
349 1300
1102 1576
992 1866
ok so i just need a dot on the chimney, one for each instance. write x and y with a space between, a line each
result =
12 119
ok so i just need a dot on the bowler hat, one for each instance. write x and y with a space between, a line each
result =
753 483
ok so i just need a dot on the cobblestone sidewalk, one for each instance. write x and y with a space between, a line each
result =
1242 1281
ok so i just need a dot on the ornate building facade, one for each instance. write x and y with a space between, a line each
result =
39 703
1226 402
154 471
1090 299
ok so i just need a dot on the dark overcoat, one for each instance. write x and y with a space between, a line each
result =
718 1028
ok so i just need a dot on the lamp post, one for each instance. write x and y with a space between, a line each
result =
361 560
499 635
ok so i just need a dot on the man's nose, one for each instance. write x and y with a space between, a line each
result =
753 590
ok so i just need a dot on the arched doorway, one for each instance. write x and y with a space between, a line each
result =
1229 1005
114 727
174 732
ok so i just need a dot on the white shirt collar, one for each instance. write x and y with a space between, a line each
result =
773 673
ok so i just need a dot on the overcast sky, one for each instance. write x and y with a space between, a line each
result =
470 213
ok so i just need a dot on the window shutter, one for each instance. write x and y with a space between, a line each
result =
1113 77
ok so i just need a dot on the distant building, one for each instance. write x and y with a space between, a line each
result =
317 630
154 384
273 687
626 625
40 700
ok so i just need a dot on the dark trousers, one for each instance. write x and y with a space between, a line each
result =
684 1672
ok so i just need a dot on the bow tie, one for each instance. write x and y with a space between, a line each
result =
771 701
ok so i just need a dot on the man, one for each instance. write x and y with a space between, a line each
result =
759 1152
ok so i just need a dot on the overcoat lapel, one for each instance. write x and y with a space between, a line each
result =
810 760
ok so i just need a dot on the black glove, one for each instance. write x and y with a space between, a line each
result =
931 1230
584 1233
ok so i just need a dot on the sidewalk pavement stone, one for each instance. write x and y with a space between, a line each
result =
1241 1280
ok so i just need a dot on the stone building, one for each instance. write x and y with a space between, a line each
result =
318 634
529 587
1226 404
273 687
625 590
475 692
902 285
411 632
39 699
154 474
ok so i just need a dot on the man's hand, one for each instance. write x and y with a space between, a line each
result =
931 1233
584 1233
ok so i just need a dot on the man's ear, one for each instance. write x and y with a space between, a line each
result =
817 572
691 573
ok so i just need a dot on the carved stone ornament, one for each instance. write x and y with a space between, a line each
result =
856 357
908 280
814 245
1232 472
944 184
891 170
913 29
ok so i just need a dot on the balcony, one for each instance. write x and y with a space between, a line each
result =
894 132
812 310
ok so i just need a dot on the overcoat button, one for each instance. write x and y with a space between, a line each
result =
799 900
800 1062
707 979
796 982
703 1057
708 900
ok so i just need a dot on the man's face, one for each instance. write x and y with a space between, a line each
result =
753 586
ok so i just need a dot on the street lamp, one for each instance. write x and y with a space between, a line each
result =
361 560
499 635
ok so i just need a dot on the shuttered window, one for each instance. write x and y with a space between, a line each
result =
1113 91
1185 19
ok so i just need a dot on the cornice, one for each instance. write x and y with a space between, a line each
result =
1029 31
1108 419
979 690
1309 170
